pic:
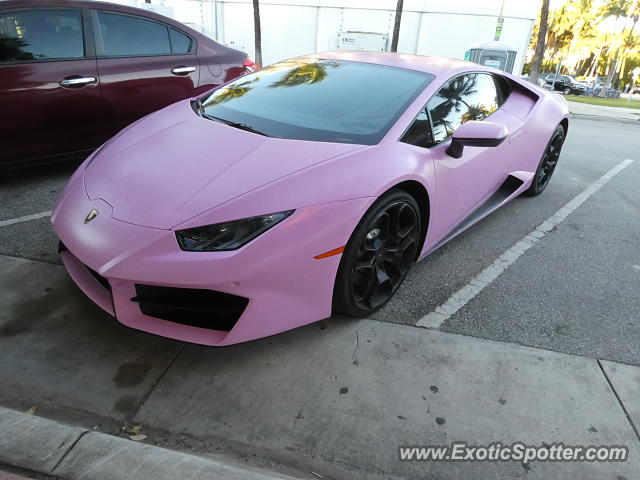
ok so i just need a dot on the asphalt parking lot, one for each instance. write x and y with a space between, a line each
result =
575 291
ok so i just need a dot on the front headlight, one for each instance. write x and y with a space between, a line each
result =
228 235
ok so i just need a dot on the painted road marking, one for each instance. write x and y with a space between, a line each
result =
26 218
463 296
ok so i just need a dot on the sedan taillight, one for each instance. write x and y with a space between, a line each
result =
249 65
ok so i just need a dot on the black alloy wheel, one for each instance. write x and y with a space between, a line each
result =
548 163
379 255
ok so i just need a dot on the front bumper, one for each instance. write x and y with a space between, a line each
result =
284 286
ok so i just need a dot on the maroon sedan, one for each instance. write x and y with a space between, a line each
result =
73 73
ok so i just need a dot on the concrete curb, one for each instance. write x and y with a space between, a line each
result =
604 118
52 448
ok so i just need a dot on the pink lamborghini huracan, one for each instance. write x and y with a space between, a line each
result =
307 187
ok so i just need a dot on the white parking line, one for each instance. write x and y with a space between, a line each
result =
463 296
26 218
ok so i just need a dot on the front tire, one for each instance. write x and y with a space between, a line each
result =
378 256
548 163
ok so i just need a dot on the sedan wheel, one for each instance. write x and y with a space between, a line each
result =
548 163
379 255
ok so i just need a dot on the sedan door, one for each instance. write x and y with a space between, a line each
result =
49 93
144 65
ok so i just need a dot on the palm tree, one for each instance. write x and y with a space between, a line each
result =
11 48
620 8
453 94
396 26
256 32
305 72
458 88
235 90
476 112
536 62
629 42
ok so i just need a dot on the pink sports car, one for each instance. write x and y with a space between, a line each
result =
306 188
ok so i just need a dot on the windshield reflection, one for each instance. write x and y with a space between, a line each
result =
320 100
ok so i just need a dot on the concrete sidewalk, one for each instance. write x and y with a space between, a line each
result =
331 400
585 110
53 448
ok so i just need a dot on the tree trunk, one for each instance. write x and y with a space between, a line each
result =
593 72
611 70
396 26
257 33
625 52
536 62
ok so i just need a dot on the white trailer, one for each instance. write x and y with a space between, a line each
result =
296 27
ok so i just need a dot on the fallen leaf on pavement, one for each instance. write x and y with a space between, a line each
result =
133 429
137 438
32 410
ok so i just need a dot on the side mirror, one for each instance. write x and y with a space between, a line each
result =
476 134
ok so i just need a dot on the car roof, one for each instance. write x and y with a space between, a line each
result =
421 63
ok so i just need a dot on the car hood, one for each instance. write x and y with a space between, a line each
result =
173 165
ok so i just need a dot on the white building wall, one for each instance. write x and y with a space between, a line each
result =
297 27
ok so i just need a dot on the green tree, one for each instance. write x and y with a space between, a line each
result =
629 10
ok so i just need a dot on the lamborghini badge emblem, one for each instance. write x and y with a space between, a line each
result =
92 214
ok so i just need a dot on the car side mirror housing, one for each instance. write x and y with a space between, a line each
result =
476 134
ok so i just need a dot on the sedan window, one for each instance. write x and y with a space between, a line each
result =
320 100
466 97
127 35
32 35
180 43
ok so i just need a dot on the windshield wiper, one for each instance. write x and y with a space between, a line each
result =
241 126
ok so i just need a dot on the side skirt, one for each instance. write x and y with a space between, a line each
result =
513 186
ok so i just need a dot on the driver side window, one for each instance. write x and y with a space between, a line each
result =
466 97
472 96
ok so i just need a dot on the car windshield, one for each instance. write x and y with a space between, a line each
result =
319 100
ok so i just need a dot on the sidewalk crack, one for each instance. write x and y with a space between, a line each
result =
624 409
64 455
129 417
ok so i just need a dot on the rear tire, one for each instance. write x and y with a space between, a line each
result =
547 164
378 256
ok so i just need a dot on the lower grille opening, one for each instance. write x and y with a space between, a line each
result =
101 280
193 307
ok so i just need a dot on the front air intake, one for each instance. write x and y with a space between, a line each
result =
192 307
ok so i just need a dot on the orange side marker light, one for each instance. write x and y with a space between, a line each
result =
330 253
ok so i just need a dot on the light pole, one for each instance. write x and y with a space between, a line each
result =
496 36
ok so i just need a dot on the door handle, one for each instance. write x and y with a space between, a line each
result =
182 70
76 81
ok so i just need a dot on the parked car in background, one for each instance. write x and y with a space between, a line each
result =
564 83
541 82
73 73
